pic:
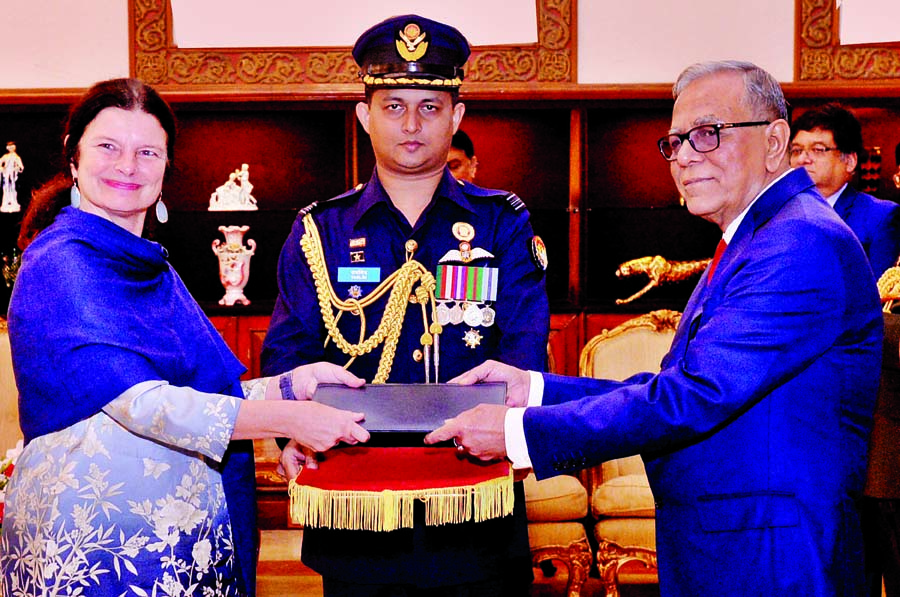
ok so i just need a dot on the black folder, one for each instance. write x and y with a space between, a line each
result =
401 414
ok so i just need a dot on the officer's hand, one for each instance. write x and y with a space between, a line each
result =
293 458
306 378
477 432
518 382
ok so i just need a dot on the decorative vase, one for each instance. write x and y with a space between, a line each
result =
234 263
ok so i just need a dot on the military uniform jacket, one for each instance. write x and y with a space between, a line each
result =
362 229
364 220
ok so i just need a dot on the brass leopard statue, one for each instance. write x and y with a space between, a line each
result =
660 271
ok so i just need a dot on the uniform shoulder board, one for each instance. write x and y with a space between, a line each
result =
511 198
308 209
350 193
516 203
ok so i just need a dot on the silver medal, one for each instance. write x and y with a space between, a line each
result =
472 315
456 315
487 317
443 314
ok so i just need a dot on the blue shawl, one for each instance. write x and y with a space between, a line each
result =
96 310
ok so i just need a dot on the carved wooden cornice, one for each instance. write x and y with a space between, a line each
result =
156 60
821 58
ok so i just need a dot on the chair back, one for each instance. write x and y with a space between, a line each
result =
632 347
10 432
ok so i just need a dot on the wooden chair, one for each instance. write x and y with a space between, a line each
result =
621 501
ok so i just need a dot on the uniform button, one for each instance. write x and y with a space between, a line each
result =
417 355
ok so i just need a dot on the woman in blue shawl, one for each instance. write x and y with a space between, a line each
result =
137 475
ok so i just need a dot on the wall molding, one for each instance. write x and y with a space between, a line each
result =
155 59
819 57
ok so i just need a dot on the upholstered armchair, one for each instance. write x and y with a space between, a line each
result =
557 509
10 432
621 501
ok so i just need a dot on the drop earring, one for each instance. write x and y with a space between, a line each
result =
162 214
75 195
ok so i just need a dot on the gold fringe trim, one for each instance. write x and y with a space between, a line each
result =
389 510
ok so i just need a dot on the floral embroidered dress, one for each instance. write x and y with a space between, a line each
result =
128 484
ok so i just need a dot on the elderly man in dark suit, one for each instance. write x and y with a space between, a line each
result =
754 432
827 141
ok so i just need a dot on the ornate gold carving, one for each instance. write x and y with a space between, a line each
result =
816 22
554 66
611 557
822 58
867 63
815 65
151 66
150 24
496 65
200 68
555 24
331 67
577 558
158 62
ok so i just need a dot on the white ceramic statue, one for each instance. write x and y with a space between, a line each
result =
234 195
234 263
10 167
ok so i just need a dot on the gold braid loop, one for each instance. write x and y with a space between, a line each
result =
400 284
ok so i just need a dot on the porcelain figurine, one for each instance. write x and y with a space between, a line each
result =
234 195
10 167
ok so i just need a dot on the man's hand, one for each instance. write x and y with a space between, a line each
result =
477 432
293 458
306 378
518 382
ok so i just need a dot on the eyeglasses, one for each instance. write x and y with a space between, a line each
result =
703 138
815 152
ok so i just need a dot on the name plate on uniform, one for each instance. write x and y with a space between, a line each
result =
401 414
359 274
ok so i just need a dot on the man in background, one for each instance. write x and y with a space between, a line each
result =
828 142
754 432
462 160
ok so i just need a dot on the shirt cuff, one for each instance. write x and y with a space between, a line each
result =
514 434
536 389
514 425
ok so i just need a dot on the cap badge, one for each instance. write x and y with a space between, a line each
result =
412 45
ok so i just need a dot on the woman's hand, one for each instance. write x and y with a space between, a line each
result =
306 378
320 427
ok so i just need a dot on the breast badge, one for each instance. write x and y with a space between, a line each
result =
465 293
472 338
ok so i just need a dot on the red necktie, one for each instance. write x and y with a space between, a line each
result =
720 248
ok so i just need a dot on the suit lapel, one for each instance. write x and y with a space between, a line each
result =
845 202
766 206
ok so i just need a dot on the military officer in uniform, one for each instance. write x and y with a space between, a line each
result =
412 277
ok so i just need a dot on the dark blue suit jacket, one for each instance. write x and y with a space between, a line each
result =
754 432
876 223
